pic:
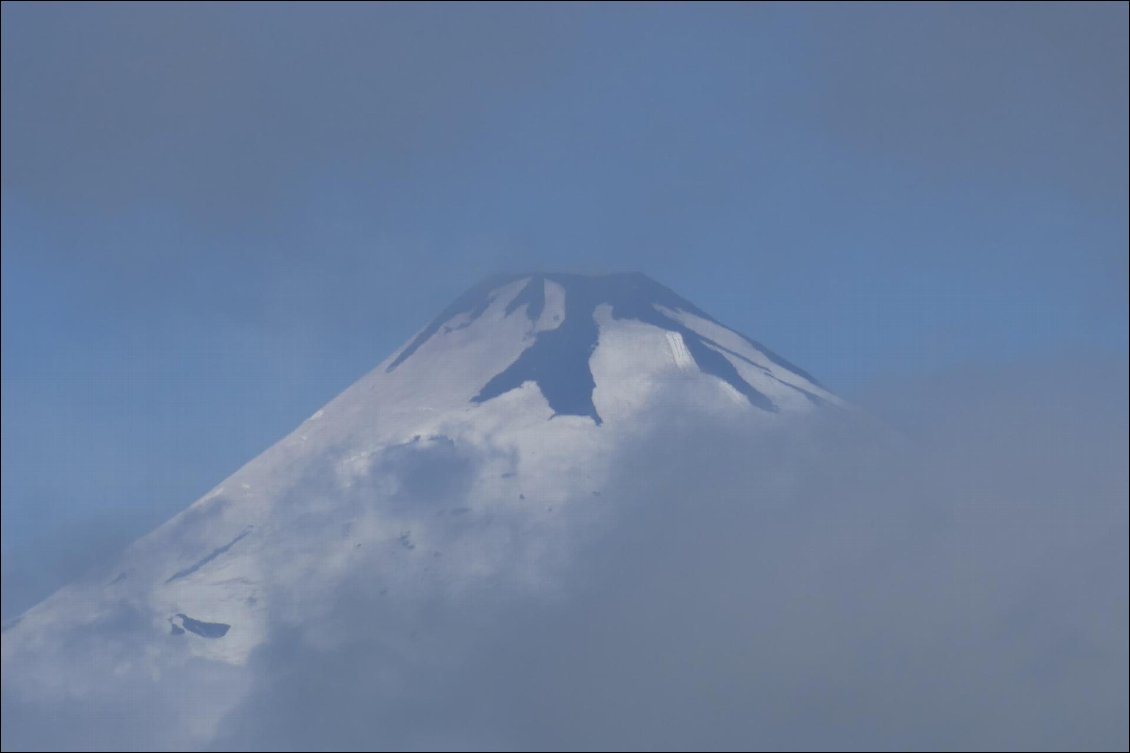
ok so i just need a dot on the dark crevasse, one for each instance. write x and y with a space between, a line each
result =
211 556
532 296
199 627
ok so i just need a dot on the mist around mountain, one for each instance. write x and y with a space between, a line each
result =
567 565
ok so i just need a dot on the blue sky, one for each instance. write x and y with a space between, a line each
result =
216 218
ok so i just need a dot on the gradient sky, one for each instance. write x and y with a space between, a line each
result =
217 217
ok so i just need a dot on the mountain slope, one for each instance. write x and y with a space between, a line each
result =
476 452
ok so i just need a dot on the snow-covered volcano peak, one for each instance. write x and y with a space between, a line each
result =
476 451
569 326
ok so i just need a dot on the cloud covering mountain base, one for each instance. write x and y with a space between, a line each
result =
828 585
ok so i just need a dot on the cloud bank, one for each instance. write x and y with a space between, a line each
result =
958 583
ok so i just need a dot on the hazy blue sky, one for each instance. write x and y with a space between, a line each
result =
215 218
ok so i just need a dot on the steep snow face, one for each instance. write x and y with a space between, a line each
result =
477 451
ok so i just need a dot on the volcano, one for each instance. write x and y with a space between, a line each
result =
476 452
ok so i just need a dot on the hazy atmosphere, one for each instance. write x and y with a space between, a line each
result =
218 217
